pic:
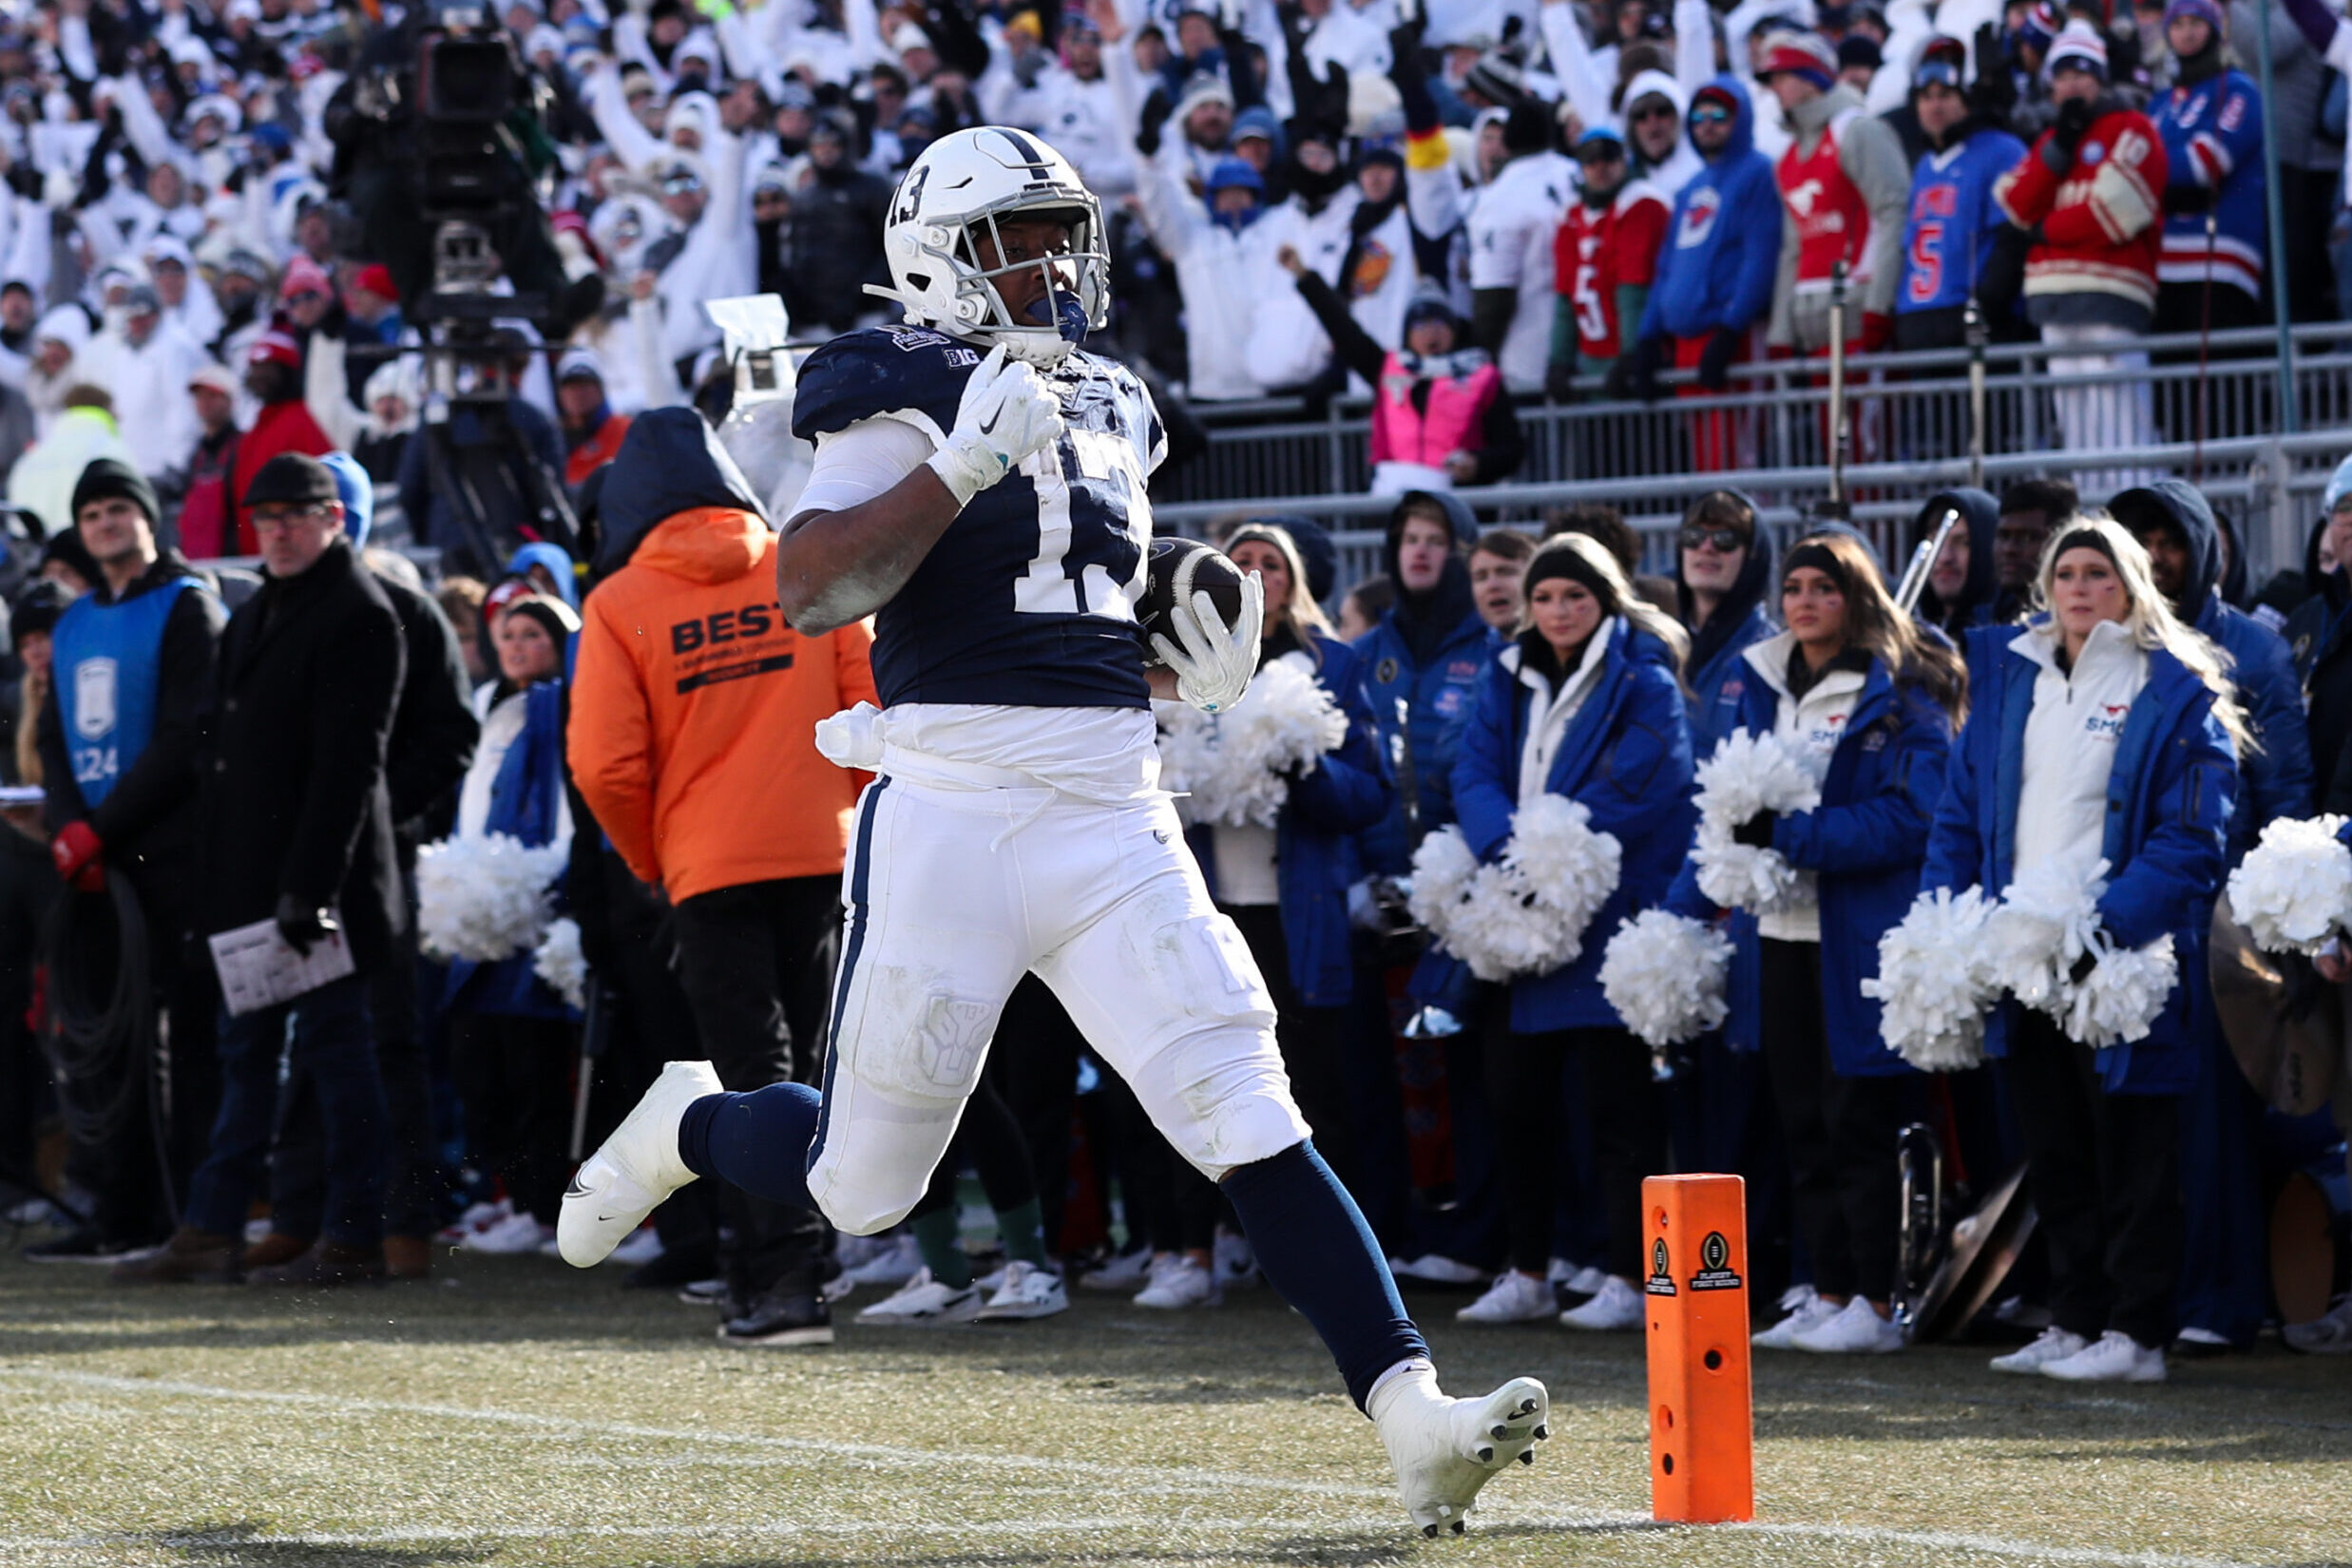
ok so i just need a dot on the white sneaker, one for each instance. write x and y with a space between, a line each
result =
2328 1335
478 1217
2116 1358
1027 1292
1803 1308
1854 1329
1128 1271
1437 1269
1512 1298
923 1302
894 1267
2055 1344
1180 1283
516 1233
634 1170
855 1251
1445 1450
1586 1281
643 1246
1236 1262
1615 1307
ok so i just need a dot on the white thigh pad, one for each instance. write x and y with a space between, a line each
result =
921 1039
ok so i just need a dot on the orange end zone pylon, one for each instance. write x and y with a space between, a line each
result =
1702 1414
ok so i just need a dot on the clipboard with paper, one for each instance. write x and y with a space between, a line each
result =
259 968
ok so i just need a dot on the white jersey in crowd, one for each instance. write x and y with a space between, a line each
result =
1511 231
149 382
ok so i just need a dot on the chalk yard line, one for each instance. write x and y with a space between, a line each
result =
1882 1535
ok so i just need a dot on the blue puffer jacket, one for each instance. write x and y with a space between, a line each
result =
1865 842
2275 781
1436 698
1626 756
1715 675
1314 839
2168 800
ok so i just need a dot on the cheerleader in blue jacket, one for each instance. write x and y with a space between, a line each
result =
1871 706
2108 726
1587 702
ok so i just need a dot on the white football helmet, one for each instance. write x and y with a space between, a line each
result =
952 200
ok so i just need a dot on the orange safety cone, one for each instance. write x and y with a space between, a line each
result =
1702 1411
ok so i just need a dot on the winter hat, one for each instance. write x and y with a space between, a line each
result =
1555 558
1805 55
1235 173
579 365
1601 138
355 490
65 324
1258 121
2076 48
1429 303
2204 11
1204 86
2040 26
107 478
1945 63
555 617
377 279
65 546
1858 48
304 275
216 377
1498 78
37 610
275 348
292 478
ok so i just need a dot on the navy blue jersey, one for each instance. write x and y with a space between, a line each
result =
1028 599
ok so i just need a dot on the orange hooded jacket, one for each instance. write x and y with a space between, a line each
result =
695 706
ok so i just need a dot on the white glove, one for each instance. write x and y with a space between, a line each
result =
1214 666
1006 413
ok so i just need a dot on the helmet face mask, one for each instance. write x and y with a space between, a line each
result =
949 215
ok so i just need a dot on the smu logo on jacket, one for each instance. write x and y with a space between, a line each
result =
2106 720
1698 218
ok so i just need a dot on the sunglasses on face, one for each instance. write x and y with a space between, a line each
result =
1654 111
1724 540
1710 117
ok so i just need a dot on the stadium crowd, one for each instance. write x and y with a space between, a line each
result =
235 711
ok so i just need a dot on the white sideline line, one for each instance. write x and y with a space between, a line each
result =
1160 1475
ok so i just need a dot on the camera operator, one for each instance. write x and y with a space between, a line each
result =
493 438
409 139
118 739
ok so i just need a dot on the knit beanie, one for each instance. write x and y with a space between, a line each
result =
107 478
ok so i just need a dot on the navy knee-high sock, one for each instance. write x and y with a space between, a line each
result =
1314 1248
758 1142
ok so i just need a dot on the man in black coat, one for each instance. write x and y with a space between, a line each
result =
433 736
299 833
118 736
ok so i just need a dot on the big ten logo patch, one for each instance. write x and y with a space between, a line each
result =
711 649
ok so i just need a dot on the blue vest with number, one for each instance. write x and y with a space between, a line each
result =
108 668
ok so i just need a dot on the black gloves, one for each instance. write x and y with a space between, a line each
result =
1155 114
301 926
1635 373
1714 366
1756 833
1994 94
1559 379
2073 123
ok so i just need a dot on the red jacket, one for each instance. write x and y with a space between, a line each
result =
285 427
2102 222
596 451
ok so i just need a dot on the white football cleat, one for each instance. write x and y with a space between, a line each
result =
634 1170
1445 1450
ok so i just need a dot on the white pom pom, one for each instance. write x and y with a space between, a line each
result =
1667 976
1565 865
483 899
2293 893
2043 925
1748 774
559 962
1932 985
1443 869
1231 768
2119 999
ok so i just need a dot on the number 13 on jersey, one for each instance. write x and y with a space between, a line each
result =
1091 538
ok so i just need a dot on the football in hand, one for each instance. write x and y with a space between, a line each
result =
1175 570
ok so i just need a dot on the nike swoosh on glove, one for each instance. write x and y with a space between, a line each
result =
1215 661
1007 412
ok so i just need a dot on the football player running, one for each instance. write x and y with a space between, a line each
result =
978 487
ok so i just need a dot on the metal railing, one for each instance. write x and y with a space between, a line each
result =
1908 409
2270 487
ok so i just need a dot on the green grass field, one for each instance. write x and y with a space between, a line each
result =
513 1411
